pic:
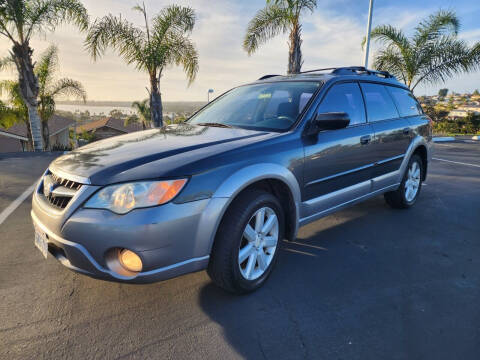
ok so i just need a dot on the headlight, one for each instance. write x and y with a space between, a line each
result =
122 198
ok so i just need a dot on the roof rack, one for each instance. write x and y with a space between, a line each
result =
360 70
318 70
346 70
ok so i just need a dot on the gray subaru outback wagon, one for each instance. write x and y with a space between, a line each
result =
222 190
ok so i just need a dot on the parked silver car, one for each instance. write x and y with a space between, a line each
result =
221 191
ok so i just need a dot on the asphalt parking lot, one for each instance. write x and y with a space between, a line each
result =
369 282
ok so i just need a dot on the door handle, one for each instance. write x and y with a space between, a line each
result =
365 139
406 131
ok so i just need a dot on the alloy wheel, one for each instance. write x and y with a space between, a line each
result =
259 242
413 181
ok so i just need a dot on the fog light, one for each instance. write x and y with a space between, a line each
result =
130 260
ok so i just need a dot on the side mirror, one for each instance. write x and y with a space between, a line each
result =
328 121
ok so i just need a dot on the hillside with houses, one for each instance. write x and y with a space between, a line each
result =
453 113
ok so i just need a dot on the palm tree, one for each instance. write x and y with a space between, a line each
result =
50 88
16 111
164 43
19 20
143 114
432 54
280 16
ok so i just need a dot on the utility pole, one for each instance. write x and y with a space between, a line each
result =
369 29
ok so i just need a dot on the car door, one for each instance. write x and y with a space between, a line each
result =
392 134
338 162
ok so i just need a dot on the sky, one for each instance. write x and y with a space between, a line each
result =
331 37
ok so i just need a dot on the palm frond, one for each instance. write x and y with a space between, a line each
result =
11 90
446 58
144 114
390 36
139 9
11 14
7 62
46 67
295 5
119 34
68 87
40 14
440 23
267 23
173 19
309 5
180 50
391 60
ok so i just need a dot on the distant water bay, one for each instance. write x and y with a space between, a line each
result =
93 109
169 108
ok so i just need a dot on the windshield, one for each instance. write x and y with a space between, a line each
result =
271 106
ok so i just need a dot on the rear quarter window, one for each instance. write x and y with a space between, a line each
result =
379 103
406 103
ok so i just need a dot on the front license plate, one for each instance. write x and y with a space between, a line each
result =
41 242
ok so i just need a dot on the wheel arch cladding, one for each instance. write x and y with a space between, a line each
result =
421 151
282 192
272 178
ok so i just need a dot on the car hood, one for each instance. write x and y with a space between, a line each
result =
124 158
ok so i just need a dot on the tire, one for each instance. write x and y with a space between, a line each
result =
401 198
225 267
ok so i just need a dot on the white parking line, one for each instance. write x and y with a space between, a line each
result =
457 162
15 203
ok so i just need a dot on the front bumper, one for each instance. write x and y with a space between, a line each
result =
171 239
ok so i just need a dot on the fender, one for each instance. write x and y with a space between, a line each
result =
416 142
232 186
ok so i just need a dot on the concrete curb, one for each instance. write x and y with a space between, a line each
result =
443 139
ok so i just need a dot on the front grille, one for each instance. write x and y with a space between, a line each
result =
59 202
59 191
67 183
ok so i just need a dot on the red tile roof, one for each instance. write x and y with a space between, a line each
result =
113 123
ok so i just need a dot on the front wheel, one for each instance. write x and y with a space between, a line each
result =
247 242
407 194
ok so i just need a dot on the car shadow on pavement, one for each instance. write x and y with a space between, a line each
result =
377 281
300 305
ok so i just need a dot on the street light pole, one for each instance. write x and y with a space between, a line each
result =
210 91
369 29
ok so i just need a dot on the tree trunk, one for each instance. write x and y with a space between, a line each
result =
29 90
29 136
295 61
46 135
156 102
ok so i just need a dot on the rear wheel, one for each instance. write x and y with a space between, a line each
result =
406 195
247 242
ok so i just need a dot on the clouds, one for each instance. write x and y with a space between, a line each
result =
331 37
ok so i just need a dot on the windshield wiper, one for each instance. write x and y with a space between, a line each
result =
214 124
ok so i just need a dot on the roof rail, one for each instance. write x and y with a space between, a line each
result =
361 70
318 70
345 70
352 69
267 76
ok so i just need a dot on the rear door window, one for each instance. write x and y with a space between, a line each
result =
406 103
379 103
346 98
